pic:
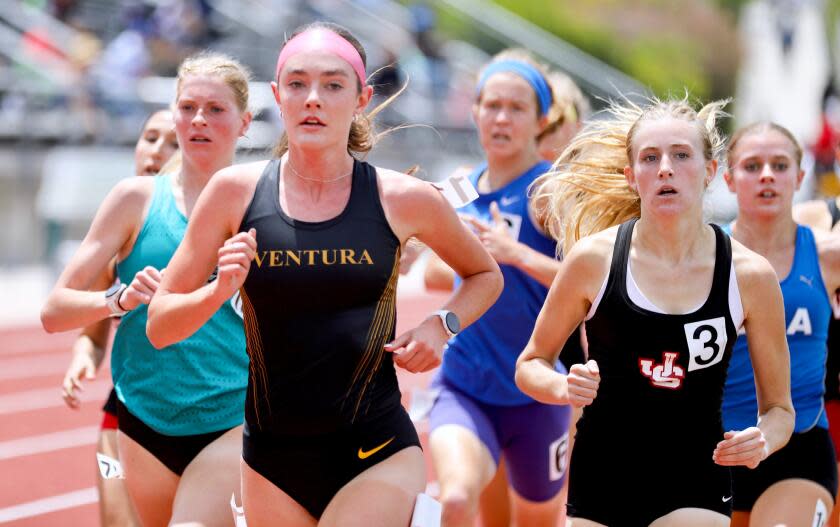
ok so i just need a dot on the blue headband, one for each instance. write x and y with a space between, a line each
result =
527 72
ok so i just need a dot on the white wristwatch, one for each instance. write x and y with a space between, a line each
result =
112 300
451 322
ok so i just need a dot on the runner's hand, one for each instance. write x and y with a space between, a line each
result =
235 258
746 447
419 349
82 367
496 238
582 383
141 289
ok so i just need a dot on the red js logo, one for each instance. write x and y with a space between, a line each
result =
665 375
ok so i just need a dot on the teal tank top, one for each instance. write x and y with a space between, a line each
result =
198 385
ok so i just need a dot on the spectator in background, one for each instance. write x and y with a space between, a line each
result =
423 29
185 23
825 147
63 9
123 62
388 78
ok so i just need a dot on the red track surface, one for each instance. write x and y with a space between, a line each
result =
62 467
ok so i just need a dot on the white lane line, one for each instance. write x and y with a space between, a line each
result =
37 366
52 504
42 398
34 343
26 446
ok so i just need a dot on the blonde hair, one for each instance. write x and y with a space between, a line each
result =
230 71
520 55
759 127
570 104
213 64
362 137
586 190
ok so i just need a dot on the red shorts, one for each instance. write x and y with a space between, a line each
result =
109 421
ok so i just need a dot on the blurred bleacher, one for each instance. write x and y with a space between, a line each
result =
92 77
78 77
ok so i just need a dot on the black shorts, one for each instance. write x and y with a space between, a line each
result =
311 470
607 491
110 406
176 452
809 455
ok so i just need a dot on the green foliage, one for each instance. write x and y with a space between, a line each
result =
733 6
662 64
665 63
646 39
832 12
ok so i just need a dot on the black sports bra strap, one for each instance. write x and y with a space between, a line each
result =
723 265
269 181
720 276
366 189
833 210
263 199
272 171
621 254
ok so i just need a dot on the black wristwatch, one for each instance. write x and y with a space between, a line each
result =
451 322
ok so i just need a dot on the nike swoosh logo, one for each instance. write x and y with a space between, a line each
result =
726 499
505 201
365 455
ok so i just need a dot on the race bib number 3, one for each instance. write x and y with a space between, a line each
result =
706 342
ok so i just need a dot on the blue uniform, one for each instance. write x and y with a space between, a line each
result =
476 388
193 387
807 313
809 454
481 360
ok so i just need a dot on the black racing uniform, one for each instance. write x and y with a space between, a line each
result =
319 302
644 446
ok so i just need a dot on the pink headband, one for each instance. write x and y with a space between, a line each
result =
320 39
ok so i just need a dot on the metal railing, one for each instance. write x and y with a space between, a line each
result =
387 27
595 76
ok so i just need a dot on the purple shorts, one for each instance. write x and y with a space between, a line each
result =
534 438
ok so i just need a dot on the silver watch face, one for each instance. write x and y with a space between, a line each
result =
452 322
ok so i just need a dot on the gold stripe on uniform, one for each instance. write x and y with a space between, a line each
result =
255 351
381 327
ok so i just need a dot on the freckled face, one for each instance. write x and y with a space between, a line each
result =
207 119
668 168
319 96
